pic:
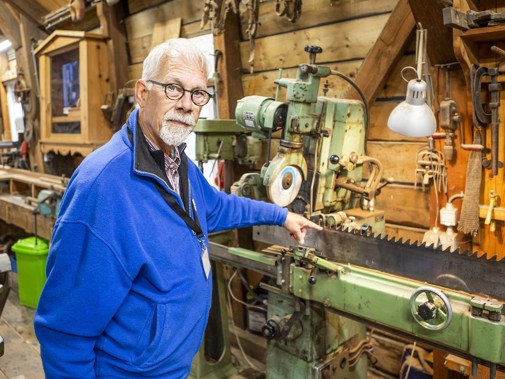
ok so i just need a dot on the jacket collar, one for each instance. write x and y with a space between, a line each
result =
149 163
145 160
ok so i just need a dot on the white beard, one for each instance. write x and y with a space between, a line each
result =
175 135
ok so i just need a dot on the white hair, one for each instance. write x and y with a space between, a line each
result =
168 51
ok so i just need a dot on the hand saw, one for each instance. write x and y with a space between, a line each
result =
457 270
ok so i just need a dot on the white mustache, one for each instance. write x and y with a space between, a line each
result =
184 118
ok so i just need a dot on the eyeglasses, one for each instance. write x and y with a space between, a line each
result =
175 91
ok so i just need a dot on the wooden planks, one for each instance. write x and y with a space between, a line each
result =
135 6
14 211
398 158
339 41
142 24
166 30
379 114
406 206
156 21
315 12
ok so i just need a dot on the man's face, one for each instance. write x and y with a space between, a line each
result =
165 121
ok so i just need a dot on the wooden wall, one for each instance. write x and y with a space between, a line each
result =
140 24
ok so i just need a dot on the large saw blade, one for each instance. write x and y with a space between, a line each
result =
456 270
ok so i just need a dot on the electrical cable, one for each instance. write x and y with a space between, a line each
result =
230 310
248 288
237 299
410 360
311 201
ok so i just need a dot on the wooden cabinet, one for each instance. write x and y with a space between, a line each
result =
74 79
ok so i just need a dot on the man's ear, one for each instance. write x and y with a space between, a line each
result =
141 92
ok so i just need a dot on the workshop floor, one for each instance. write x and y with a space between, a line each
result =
21 359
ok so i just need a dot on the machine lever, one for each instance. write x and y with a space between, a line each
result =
493 197
312 277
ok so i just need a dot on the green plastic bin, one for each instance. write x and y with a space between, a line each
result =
31 257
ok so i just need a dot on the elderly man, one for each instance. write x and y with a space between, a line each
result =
129 283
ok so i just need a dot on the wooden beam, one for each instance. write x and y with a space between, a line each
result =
388 49
10 25
110 23
29 8
30 32
229 88
440 46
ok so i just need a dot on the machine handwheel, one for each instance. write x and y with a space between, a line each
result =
431 308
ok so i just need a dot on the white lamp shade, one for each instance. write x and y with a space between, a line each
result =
413 117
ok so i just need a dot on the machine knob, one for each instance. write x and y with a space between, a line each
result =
334 159
270 330
427 310
313 50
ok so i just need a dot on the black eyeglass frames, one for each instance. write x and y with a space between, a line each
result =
175 91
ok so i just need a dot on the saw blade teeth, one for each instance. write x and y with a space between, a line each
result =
410 242
424 244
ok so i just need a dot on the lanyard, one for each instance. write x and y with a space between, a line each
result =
194 225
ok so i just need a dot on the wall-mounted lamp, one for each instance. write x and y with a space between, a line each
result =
413 117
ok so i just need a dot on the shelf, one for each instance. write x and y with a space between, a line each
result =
485 34
69 118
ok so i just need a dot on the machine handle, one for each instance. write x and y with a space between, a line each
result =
432 313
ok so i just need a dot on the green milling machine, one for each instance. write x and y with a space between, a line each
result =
322 295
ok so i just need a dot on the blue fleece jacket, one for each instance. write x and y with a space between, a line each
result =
126 294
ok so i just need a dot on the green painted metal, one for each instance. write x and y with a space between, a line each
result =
253 255
317 335
384 299
217 126
345 119
224 139
259 114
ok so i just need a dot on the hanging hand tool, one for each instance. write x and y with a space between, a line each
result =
494 88
481 118
449 117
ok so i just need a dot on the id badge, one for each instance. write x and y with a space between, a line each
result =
205 259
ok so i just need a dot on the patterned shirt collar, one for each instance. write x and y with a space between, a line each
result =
172 162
